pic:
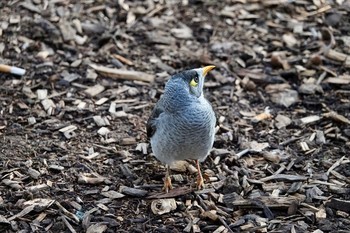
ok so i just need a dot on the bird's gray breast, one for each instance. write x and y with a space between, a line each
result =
185 134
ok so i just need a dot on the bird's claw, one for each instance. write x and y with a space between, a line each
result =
167 184
200 182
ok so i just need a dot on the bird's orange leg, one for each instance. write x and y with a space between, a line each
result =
167 180
200 180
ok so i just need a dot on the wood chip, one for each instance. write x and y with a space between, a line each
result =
342 80
163 206
123 74
310 119
338 204
112 194
284 177
95 90
337 117
132 191
41 94
101 121
97 228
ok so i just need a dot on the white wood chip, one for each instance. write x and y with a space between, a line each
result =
289 39
282 121
82 105
142 147
97 228
220 229
258 147
103 131
4 221
56 167
120 114
31 120
91 74
344 79
101 121
41 94
310 119
95 90
304 146
69 128
101 101
112 194
48 105
112 108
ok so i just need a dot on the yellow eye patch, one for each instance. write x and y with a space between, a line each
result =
193 83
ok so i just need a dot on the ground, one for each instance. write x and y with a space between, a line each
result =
74 154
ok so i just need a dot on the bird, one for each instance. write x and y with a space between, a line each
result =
182 123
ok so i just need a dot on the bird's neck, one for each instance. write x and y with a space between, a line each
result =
177 98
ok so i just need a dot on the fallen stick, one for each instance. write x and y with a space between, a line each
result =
284 177
12 70
123 74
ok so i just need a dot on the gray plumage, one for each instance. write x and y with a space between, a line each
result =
182 124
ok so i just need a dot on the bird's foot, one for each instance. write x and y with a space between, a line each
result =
200 182
167 184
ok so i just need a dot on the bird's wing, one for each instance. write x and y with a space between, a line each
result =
151 126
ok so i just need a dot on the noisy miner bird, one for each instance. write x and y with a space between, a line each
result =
182 124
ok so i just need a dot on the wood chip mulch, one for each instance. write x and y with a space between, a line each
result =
74 156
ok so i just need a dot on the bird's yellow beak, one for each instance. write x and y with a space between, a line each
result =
206 69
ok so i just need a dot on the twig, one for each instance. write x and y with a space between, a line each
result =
123 74
67 213
69 226
201 202
319 11
243 152
336 164
284 177
225 224
292 139
309 206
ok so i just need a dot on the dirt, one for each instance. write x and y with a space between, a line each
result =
280 91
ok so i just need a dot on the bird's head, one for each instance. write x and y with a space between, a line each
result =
192 80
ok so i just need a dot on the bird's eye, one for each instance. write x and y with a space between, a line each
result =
194 81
